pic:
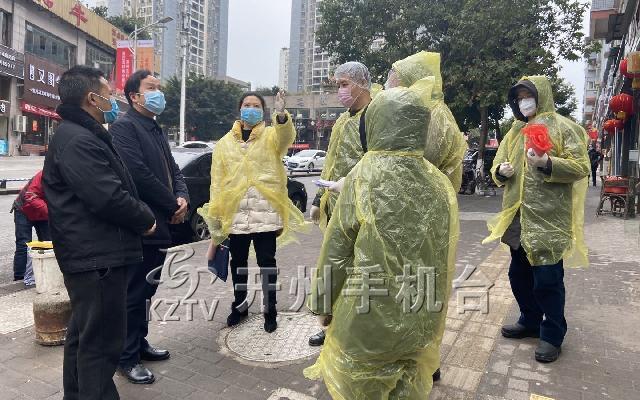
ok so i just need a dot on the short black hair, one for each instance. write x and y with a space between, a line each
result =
248 94
77 82
133 83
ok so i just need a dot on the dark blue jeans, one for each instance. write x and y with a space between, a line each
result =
539 291
24 232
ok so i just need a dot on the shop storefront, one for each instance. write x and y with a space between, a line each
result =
40 100
11 68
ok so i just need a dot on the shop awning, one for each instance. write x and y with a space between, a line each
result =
30 108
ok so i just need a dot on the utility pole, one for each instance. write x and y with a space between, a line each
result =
183 84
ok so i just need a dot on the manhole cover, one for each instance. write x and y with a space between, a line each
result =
289 342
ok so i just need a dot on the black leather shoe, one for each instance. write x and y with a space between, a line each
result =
546 352
270 321
236 317
317 339
138 374
153 354
517 331
436 375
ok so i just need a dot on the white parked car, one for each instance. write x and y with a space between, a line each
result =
306 161
196 144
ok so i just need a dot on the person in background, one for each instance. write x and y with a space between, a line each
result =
595 156
158 179
346 144
97 221
542 213
249 201
29 211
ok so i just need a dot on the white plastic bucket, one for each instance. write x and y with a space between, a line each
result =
46 271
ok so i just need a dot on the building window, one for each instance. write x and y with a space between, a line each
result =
5 29
98 58
45 45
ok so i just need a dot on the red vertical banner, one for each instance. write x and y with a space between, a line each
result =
124 64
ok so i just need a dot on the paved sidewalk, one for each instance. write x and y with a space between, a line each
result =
600 360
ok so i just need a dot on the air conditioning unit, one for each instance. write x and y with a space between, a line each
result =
20 123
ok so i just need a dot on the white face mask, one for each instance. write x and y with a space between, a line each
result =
528 107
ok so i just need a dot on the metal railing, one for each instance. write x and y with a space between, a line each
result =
3 181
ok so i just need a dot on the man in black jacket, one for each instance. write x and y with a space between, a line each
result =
96 220
145 150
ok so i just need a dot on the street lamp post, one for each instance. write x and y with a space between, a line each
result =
134 34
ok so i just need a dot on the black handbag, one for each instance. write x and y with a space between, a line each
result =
219 266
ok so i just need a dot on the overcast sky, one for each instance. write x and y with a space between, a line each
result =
259 28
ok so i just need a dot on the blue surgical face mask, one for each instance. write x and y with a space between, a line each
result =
250 115
111 115
154 101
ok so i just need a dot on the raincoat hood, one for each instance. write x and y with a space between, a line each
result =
540 86
418 66
397 120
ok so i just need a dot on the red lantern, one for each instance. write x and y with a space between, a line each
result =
611 125
593 134
624 64
622 105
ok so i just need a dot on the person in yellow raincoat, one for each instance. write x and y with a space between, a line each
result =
249 202
345 145
445 146
542 213
387 261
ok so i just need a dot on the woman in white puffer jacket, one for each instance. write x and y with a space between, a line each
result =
249 201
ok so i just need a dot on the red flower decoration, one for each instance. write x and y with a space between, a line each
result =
537 138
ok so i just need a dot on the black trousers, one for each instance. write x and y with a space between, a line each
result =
594 170
139 293
95 333
540 293
264 243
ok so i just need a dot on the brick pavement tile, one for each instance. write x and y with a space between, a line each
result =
516 395
172 387
129 391
235 378
448 393
171 371
12 378
493 384
470 351
200 395
206 383
8 393
559 392
180 360
235 393
207 368
460 378
206 355
518 384
37 389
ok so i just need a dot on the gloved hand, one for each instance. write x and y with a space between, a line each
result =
537 161
279 103
506 170
315 214
337 187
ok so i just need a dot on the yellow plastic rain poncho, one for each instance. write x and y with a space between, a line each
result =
551 207
445 146
396 211
344 152
235 168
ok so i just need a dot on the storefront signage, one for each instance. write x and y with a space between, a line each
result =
41 81
5 108
75 13
11 62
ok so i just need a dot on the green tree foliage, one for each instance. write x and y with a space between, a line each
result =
265 91
122 22
211 106
486 45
